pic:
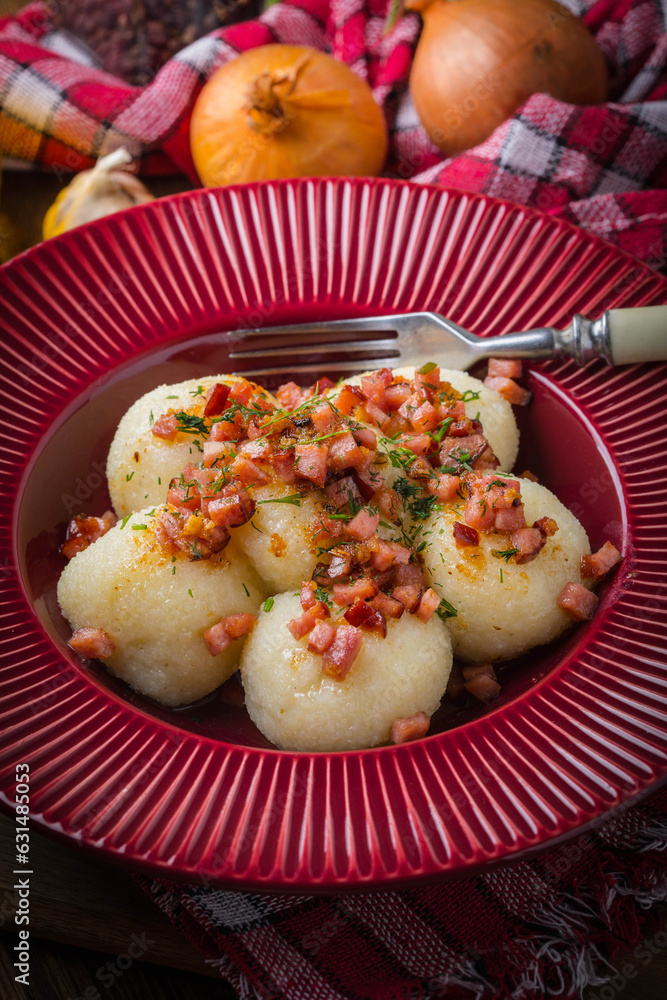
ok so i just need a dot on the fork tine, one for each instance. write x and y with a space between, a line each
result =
316 369
378 324
348 347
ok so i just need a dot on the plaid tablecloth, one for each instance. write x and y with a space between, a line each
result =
543 928
602 167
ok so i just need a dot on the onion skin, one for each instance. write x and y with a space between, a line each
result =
477 61
285 111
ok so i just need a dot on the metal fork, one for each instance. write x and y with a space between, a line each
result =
620 336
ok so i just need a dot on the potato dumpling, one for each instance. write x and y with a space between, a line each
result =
502 618
495 413
141 465
297 707
156 607
278 540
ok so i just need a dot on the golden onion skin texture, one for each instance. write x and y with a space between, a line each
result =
286 111
477 61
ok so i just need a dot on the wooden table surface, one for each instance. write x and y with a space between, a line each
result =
85 912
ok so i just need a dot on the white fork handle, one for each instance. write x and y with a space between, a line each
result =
637 335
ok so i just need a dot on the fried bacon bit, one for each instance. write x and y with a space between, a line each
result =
310 462
388 606
165 427
480 681
359 613
527 474
455 690
579 603
184 495
363 525
344 452
508 389
429 603
308 599
412 728
342 652
216 400
349 399
598 564
93 643
358 590
321 637
487 495
528 542
231 510
343 491
219 636
505 368
83 531
444 487
546 525
239 624
289 396
464 534
247 473
511 519
306 622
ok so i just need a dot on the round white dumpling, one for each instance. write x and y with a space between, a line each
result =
156 608
278 540
140 465
297 707
502 618
495 413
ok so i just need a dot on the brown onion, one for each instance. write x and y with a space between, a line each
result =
285 111
477 61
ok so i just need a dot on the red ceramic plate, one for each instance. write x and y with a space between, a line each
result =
96 317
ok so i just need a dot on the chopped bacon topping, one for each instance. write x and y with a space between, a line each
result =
306 622
480 681
239 624
165 427
310 462
528 542
83 531
363 525
321 637
231 510
290 395
359 590
389 606
505 368
413 728
359 613
219 636
342 652
429 603
508 389
216 400
579 602
596 565
464 534
93 643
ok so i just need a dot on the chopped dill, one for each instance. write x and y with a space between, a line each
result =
295 499
505 554
188 423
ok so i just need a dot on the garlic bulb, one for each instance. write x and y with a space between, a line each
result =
94 193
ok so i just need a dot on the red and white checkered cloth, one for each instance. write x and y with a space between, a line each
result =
602 167
543 928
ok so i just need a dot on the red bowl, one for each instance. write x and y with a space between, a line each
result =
97 317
